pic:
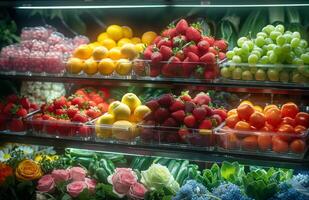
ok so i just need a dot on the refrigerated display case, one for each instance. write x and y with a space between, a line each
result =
213 94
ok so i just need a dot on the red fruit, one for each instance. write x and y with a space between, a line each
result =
166 100
8 108
3 124
79 118
25 103
221 112
60 111
232 120
104 92
16 125
279 145
288 120
153 105
157 39
185 96
97 99
190 121
84 131
203 46
257 119
161 114
147 54
64 127
103 107
191 48
221 56
209 39
221 44
156 57
199 113
45 117
177 105
302 118
60 102
1 106
182 26
22 112
179 115
93 113
213 50
202 98
34 106
208 58
166 52
209 74
264 141
179 41
187 67
205 124
273 116
72 111
193 34
180 55
193 57
299 129
210 112
217 118
189 106
170 33
244 111
170 122
79 101
13 98
167 70
165 42
172 138
297 146
250 142
183 132
289 110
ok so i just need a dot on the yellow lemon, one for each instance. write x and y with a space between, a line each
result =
83 51
140 112
121 112
114 54
93 45
128 51
122 130
247 102
99 53
114 32
258 108
106 66
108 43
148 37
127 32
139 47
102 37
112 106
123 41
124 67
75 65
136 40
90 67
131 100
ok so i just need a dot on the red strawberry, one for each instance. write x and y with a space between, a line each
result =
1 106
217 118
147 53
84 131
79 118
179 41
209 39
185 96
179 54
221 44
175 66
208 110
166 52
199 113
187 67
72 110
97 99
22 112
189 106
64 127
50 108
149 117
9 108
93 113
37 122
79 101
177 105
190 121
157 40
183 133
167 70
203 46
161 114
179 115
172 138
208 58
191 48
205 124
193 57
153 105
166 100
60 111
13 98
193 34
16 125
104 92
209 74
171 32
170 122
103 107
165 42
25 103
51 126
199 71
182 26
156 57
221 112
34 106
46 117
60 102
221 56
155 70
202 98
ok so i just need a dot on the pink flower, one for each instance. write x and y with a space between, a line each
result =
46 184
77 174
60 175
91 183
137 191
76 187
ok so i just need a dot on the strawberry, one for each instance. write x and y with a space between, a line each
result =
22 112
167 70
175 66
193 34
170 122
84 131
199 71
147 53
172 138
185 96
205 124
60 111
97 99
183 133
221 56
153 105
46 117
179 41
217 118
165 42
221 112
72 110
80 92
37 122
149 117
191 48
161 114
50 108
199 113
166 100
203 46
60 102
8 108
208 58
93 113
187 67
166 52
104 92
209 74
103 107
202 98
25 103
193 57
79 101
64 127
221 44
190 121
16 125
213 50
13 98
156 57
155 70
1 106
34 106
51 126
78 117
209 39
179 115
89 104
189 106
179 54
157 40
177 105
182 26
170 33
208 110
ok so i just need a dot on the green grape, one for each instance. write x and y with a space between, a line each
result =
258 49
268 29
264 60
245 48
305 58
296 35
284 76
237 74
241 41
273 35
259 41
246 75
298 78
236 59
295 42
286 48
288 38
260 75
230 54
288 32
273 58
244 58
253 59
225 72
256 52
280 28
253 70
269 41
299 51
278 50
297 61
304 70
265 49
303 43
250 44
273 74
261 34
289 57
269 52
232 67
271 47
280 40
237 51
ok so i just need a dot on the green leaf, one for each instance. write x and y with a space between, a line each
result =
228 170
66 196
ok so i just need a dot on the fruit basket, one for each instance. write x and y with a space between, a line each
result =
271 144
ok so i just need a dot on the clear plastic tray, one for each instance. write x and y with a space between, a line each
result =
258 143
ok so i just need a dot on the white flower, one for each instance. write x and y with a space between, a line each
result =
25 149
4 156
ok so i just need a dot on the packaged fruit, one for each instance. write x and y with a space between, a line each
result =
270 131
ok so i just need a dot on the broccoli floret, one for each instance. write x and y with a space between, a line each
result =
192 190
229 191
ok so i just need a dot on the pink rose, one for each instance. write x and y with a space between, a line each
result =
76 187
122 180
91 183
60 175
46 184
77 174
137 191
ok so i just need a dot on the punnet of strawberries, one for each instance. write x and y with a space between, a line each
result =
182 119
183 51
13 109
67 116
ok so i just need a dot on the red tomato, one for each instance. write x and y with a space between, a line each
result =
244 111
286 128
269 107
288 120
257 120
232 120
302 118
297 146
242 126
279 145
299 129
264 141
273 116
250 142
289 110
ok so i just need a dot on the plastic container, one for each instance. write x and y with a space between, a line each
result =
259 143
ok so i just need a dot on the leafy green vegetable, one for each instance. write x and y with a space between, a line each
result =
161 194
105 191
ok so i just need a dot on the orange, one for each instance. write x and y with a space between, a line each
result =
102 37
279 145
232 120
127 32
148 37
250 142
74 65
114 32
273 116
83 51
257 119
244 111
289 110
108 43
242 126
264 141
298 146
90 67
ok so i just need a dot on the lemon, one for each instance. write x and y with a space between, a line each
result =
128 51
140 112
93 45
127 32
123 41
139 47
114 32
90 67
131 100
75 65
121 112
136 40
99 53
114 54
106 66
148 37
108 43
83 51
122 130
112 106
102 37
124 67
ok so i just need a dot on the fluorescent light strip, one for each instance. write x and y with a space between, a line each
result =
161 6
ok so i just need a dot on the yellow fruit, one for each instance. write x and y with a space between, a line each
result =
102 37
127 32
247 102
99 53
139 47
258 108
75 65
106 66
132 118
102 125
121 112
91 66
108 43
128 51
83 51
131 100
114 54
122 130
114 32
112 106
140 112
148 37
123 41
136 40
93 45
124 67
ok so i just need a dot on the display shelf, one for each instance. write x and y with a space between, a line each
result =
163 151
